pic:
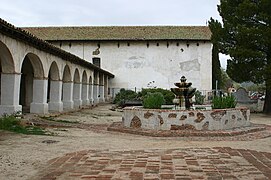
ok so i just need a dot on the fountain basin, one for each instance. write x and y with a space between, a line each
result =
159 119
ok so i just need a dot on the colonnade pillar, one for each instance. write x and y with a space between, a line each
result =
68 95
85 94
106 88
91 100
95 93
77 95
39 104
101 93
101 88
55 103
10 90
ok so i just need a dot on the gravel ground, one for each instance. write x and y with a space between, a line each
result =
24 156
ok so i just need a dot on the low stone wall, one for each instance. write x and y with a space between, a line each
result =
157 119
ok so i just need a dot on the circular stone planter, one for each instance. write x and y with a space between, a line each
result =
158 119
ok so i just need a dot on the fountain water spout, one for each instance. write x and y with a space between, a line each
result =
184 92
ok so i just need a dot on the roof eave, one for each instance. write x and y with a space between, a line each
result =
22 35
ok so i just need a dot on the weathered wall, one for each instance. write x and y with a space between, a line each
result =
33 78
186 120
137 63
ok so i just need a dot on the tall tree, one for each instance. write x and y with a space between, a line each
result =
246 36
216 67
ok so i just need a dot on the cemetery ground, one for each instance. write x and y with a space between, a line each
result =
82 148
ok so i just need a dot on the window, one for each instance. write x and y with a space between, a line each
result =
96 61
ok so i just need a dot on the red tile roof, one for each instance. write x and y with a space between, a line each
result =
122 33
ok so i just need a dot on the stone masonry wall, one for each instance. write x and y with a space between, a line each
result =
186 120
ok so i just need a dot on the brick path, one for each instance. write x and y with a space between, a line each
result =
188 163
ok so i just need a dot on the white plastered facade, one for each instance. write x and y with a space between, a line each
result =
47 88
142 64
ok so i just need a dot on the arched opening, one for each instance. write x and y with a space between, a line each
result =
6 67
77 89
26 87
90 90
106 90
31 69
85 98
52 76
76 78
7 63
54 92
96 87
67 74
101 88
67 89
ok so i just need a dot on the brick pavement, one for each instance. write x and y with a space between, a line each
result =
185 163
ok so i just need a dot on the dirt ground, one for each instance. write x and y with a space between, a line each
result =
23 156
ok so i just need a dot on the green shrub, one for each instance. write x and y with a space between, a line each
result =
123 96
199 99
168 95
153 100
11 123
223 102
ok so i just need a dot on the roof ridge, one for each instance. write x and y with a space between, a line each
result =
105 26
150 32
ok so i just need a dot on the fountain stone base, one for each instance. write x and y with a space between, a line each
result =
158 119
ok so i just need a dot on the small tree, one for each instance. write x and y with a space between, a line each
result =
123 96
168 95
153 100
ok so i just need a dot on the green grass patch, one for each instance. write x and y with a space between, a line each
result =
11 123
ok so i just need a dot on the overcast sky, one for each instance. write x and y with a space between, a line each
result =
108 12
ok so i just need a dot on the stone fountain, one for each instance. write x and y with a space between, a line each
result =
184 92
185 118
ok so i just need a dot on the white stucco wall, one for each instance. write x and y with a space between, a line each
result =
137 65
13 54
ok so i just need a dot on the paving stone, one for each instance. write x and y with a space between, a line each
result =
190 163
167 176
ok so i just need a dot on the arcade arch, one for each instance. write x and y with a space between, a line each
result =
9 82
85 87
54 89
90 95
40 77
77 89
6 59
67 89
6 64
32 84
96 87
